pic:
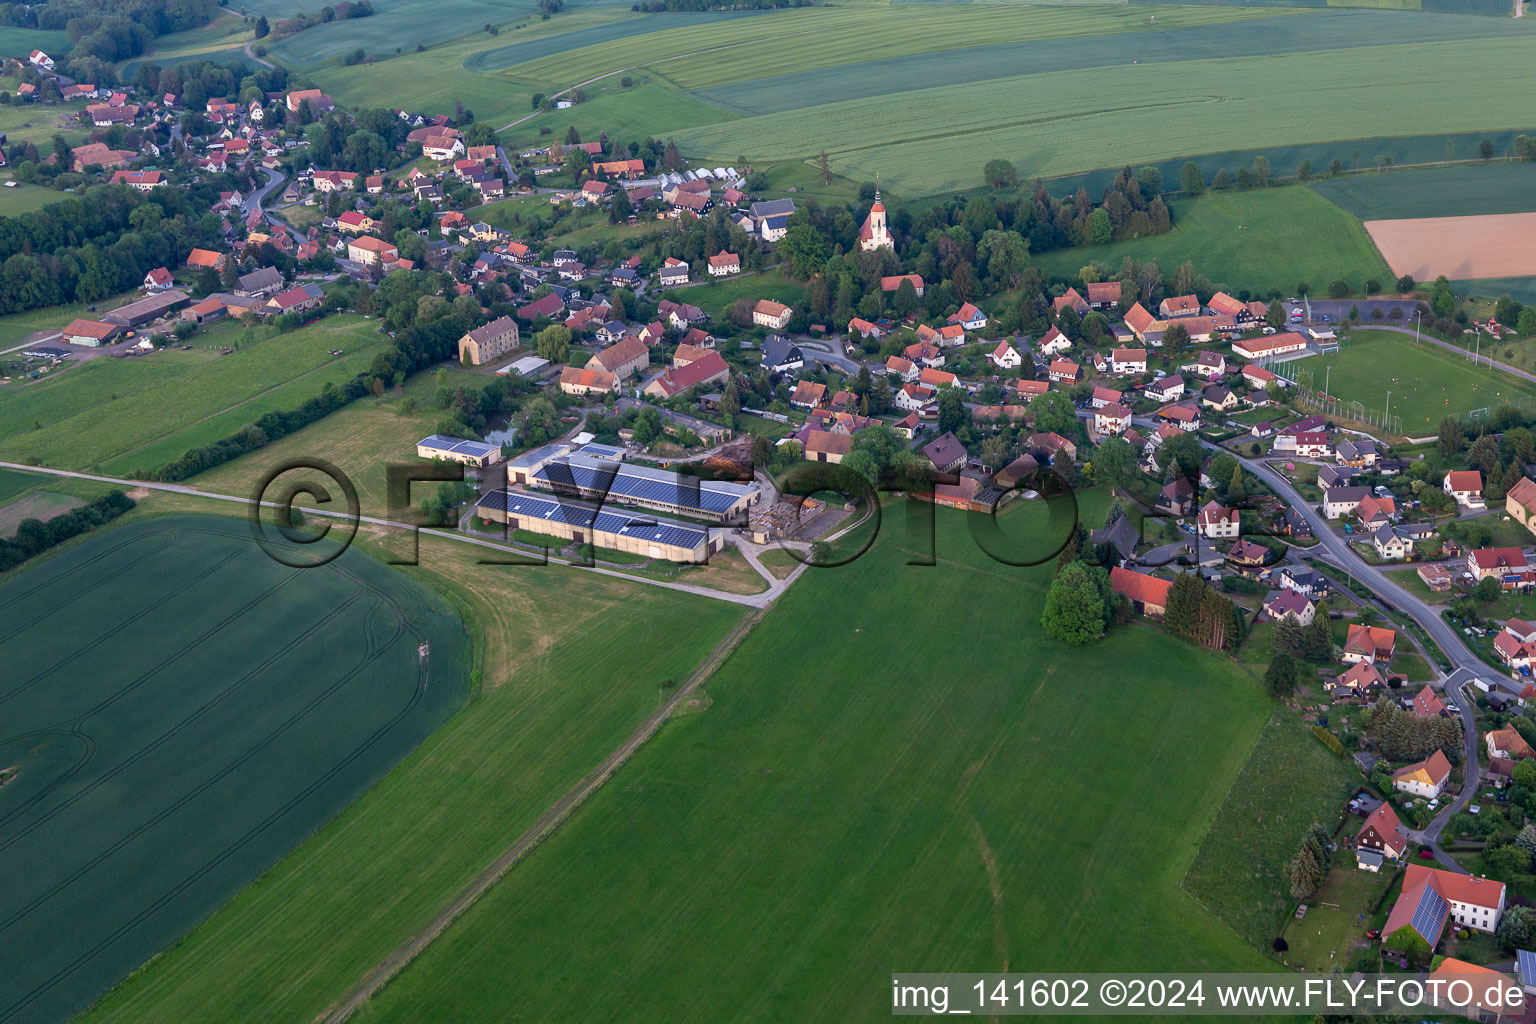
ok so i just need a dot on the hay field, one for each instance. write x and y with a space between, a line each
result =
861 795
1494 245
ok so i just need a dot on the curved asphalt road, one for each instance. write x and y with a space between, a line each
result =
1467 665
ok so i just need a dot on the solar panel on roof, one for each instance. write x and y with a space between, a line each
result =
1429 915
1525 963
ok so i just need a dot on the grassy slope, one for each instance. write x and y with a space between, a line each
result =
1427 383
1105 116
1459 191
1264 240
812 37
871 790
613 109
554 703
982 57
1290 781
151 409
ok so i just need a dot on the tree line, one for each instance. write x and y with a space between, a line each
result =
33 536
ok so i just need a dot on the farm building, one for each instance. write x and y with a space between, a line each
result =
144 310
456 449
590 474
606 528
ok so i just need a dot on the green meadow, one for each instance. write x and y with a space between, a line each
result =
124 415
1264 240
869 792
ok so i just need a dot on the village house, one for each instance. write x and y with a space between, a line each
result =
893 283
301 298
586 381
1426 778
1054 343
1258 377
1111 419
945 454
913 397
158 280
1341 501
773 315
1005 357
1128 360
1289 603
969 318
1103 396
1065 371
1103 295
1520 503
1217 522
623 359
1516 644
1507 743
259 283
1176 498
1381 838
1169 389
1508 565
1071 300
1431 897
780 355
1179 306
1369 643
808 394
1207 365
1427 704
1219 397
1392 543
371 251
723 264
1362 680
712 369
1466 486
483 344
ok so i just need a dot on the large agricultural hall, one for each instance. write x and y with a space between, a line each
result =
597 473
577 521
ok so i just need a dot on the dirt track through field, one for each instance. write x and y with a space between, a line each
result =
1498 245
398 960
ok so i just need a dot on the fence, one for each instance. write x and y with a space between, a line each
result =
1309 398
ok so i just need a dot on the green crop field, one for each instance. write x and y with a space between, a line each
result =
14 482
396 25
1459 191
154 780
1218 103
865 794
571 39
553 703
1263 240
129 414
819 72
716 52
1427 383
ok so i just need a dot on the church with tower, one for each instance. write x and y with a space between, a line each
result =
874 234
